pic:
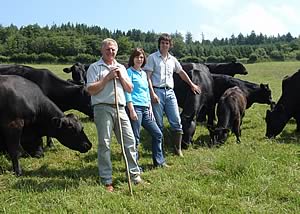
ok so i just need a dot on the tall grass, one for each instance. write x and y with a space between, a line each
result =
256 176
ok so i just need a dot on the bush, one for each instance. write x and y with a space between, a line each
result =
262 55
277 55
230 58
46 57
253 58
18 58
191 59
66 59
243 60
216 59
298 55
86 58
290 56
24 58
4 59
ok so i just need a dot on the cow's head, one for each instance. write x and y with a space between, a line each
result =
219 135
275 120
239 68
69 132
78 73
265 94
188 127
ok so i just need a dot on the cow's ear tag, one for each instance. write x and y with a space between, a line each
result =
57 122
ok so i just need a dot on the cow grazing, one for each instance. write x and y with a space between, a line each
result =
192 103
231 68
288 106
230 111
255 93
64 94
25 112
78 71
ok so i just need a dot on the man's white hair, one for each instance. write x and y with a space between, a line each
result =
107 41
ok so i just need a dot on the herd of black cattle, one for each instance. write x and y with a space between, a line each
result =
33 101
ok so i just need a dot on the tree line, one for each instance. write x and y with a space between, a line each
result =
67 43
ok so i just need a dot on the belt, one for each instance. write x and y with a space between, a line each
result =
111 105
166 87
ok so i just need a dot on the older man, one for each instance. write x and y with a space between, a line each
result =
100 85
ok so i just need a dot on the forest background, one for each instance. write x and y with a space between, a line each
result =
67 43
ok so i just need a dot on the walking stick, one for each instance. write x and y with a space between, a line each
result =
121 137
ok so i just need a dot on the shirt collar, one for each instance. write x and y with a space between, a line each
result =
102 63
132 68
159 54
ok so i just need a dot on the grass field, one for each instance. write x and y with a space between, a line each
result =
256 176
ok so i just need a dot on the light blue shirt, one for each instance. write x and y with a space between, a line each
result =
162 69
140 95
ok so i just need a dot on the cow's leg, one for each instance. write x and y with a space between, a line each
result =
211 116
39 151
201 116
50 143
13 137
297 123
236 129
33 147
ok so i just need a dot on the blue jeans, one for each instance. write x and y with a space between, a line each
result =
106 121
145 120
168 104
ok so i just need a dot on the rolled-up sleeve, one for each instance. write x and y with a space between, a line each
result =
91 75
149 67
178 66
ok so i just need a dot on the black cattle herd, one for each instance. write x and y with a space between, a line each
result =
33 101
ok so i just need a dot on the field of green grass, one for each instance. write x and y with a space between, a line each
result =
257 176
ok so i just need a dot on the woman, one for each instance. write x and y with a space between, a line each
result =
139 106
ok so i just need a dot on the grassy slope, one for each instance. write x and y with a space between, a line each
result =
259 175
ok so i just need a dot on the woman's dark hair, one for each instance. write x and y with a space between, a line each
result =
165 37
136 52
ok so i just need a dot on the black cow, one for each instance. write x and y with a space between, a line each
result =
230 68
230 111
78 71
25 112
64 94
192 103
255 93
288 106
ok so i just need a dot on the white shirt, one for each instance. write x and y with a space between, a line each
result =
162 69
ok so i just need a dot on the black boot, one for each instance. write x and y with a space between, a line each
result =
177 143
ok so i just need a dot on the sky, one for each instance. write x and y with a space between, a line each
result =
206 19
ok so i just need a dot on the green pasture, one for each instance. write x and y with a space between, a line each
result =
257 176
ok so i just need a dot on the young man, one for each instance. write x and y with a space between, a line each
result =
100 84
160 68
